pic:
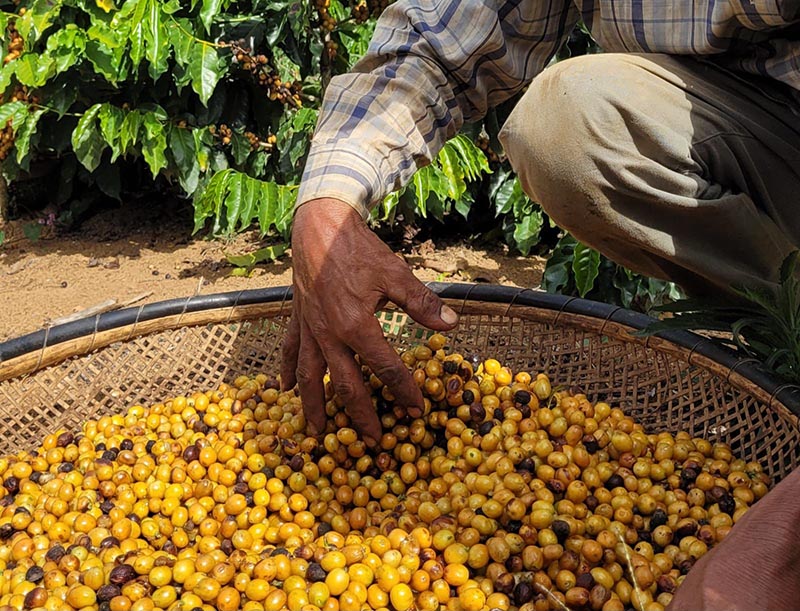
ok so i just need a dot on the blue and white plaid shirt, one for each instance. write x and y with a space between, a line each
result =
434 64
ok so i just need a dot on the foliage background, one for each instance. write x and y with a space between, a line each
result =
216 100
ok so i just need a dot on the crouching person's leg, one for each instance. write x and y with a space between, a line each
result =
668 166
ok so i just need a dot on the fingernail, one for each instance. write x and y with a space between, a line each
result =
448 315
311 429
371 443
414 412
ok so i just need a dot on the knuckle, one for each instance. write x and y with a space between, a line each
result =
390 374
351 327
307 375
428 301
317 327
346 389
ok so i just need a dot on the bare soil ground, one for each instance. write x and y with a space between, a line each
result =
131 251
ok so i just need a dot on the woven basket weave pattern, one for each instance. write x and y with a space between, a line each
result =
659 388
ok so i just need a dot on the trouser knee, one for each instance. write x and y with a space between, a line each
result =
561 137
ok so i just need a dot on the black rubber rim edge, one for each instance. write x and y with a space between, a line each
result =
788 394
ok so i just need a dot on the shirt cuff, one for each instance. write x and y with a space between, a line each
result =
336 172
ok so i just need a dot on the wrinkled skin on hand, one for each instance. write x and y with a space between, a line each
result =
342 274
757 566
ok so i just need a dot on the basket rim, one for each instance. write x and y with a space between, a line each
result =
751 369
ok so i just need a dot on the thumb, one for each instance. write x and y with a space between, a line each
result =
418 301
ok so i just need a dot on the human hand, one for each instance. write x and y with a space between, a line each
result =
342 274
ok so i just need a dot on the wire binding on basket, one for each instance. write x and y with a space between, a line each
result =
136 322
739 363
561 310
514 299
694 349
44 347
94 331
234 305
608 318
779 390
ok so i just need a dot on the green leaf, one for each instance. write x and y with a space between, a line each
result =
585 267
154 143
421 188
557 271
104 60
134 15
203 141
40 15
233 201
210 9
87 141
287 69
451 168
157 39
355 39
472 159
6 72
16 112
66 47
22 141
107 177
249 208
34 70
107 47
2 237
209 201
180 41
389 206
240 147
182 151
526 231
275 206
503 193
268 253
111 120
129 132
276 24
205 69
464 204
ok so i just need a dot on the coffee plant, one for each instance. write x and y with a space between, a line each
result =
575 269
212 100
216 101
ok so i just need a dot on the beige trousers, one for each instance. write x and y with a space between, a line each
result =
669 166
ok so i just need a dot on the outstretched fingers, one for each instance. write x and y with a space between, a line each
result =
310 372
371 345
349 385
290 350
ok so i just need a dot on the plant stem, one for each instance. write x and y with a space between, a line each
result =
194 38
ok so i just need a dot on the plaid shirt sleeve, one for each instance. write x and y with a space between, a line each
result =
431 66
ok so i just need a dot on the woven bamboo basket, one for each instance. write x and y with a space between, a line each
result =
59 377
